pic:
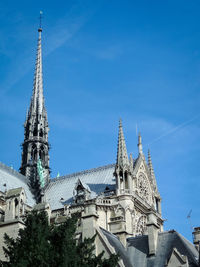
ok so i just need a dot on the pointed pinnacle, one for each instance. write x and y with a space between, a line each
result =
37 100
131 161
150 163
122 156
140 144
151 170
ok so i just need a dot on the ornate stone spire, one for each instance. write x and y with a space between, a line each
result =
140 144
151 170
131 161
122 156
122 171
150 163
37 100
36 146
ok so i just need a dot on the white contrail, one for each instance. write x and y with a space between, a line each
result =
174 129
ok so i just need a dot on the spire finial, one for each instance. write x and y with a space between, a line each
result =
40 21
140 144
37 102
120 122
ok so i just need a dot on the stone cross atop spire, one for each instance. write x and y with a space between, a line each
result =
122 156
37 100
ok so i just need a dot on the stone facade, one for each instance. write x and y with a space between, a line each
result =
120 203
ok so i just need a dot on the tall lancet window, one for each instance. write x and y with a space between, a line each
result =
42 154
41 133
34 152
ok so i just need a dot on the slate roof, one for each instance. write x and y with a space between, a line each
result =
119 248
13 179
62 188
138 250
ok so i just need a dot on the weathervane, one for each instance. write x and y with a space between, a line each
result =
40 18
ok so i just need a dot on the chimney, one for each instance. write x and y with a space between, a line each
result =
152 229
196 238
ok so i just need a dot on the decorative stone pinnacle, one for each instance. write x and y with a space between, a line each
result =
122 156
150 163
131 161
151 170
140 144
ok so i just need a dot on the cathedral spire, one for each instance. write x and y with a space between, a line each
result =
37 100
122 155
36 147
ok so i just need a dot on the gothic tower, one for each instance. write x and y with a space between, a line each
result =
35 148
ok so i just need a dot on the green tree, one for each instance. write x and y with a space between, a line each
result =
40 244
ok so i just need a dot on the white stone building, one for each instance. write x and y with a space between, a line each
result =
118 202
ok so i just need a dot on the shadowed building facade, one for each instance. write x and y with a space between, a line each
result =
120 202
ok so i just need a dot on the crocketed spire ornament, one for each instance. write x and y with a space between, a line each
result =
122 155
37 100
151 170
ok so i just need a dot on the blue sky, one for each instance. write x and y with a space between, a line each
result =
102 60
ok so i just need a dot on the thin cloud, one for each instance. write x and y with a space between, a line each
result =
174 129
109 53
64 30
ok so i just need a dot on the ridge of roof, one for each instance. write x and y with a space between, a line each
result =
189 246
52 180
13 172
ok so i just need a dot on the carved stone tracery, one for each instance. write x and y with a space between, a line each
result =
143 188
141 225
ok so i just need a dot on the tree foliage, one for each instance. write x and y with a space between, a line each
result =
40 244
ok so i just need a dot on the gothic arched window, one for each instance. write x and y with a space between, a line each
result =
34 152
126 179
35 131
42 153
41 133
16 207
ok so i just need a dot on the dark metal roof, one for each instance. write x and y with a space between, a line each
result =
167 241
62 188
11 179
119 248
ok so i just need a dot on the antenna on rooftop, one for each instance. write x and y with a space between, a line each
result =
189 220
